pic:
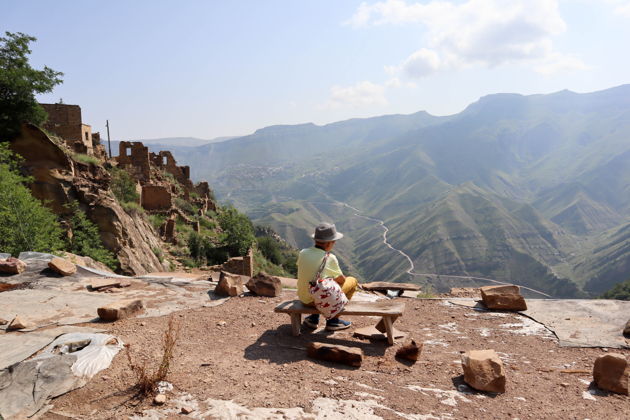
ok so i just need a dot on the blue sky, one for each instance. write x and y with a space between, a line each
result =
216 68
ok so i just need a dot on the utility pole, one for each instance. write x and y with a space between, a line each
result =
109 144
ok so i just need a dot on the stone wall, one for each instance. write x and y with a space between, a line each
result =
65 121
240 265
134 157
155 197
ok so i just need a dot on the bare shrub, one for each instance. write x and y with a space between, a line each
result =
147 378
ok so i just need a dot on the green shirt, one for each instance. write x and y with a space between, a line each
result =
307 265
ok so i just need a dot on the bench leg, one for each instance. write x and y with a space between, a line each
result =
389 329
296 323
386 326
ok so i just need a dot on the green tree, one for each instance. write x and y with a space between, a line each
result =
238 231
620 291
19 82
25 224
85 239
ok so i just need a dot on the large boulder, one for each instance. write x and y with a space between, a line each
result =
229 285
12 266
612 372
506 297
483 370
263 284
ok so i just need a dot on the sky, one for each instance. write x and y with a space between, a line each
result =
212 68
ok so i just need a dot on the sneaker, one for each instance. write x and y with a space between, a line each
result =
336 324
312 321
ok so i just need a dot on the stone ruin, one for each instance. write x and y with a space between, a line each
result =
135 158
65 122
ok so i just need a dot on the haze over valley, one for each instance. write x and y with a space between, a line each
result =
533 190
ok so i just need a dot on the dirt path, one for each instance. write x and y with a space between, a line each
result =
239 357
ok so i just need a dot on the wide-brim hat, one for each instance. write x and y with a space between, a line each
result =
326 232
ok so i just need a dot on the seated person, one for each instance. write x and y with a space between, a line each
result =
308 263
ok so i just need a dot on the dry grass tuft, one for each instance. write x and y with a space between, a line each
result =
146 379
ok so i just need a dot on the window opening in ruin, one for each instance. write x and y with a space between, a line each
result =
128 151
86 136
164 160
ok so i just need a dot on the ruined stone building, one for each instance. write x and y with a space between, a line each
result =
156 194
65 121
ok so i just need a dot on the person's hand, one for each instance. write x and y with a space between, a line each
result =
340 279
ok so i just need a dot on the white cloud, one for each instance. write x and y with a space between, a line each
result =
473 32
559 63
623 9
358 95
422 63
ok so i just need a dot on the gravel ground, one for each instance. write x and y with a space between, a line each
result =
239 360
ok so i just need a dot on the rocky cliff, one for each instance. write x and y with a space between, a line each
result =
58 180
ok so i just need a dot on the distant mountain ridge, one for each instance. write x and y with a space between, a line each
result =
533 189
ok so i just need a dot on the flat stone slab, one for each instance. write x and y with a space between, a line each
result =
371 333
351 356
109 282
583 322
384 286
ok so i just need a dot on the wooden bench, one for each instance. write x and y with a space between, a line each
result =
388 310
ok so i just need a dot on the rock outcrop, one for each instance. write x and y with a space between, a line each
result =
612 372
506 298
483 370
60 180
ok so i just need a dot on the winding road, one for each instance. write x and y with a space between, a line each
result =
411 270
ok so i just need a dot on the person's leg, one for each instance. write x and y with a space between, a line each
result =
348 288
311 321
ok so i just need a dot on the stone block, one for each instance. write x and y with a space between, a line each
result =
612 372
409 351
119 310
262 284
18 323
506 297
483 370
99 283
12 266
62 266
229 285
351 356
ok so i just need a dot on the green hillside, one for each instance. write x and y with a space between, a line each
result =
533 190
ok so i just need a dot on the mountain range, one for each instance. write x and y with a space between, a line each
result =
532 190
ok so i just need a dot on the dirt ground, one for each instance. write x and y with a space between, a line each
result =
239 360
